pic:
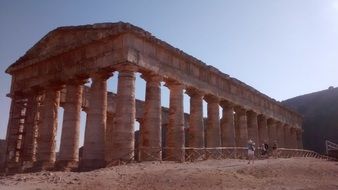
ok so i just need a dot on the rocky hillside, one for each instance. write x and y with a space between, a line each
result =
320 111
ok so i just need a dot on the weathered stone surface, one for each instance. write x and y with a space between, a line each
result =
272 131
196 128
31 129
213 137
263 130
241 127
47 130
175 131
228 125
14 130
252 126
300 139
150 130
69 147
280 135
123 131
3 146
94 141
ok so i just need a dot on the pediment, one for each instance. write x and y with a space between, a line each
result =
64 39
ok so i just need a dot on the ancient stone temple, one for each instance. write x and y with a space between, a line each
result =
54 73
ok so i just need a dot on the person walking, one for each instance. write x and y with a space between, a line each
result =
265 148
251 151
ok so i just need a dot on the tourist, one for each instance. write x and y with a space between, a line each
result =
251 151
265 148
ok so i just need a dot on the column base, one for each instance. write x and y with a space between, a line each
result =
13 168
27 165
66 165
42 166
91 164
150 154
177 155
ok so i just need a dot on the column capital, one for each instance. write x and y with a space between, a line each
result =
102 75
272 121
151 77
77 81
54 85
226 104
193 92
211 98
127 67
252 113
35 90
278 123
261 117
172 85
240 110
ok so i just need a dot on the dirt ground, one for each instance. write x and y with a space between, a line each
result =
292 173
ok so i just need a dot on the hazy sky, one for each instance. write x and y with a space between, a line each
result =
283 48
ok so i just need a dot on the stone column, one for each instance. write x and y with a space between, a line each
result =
213 137
150 131
109 135
262 130
227 125
272 131
287 137
252 126
241 129
31 127
94 140
280 135
294 144
175 133
299 139
196 128
13 130
48 128
69 147
123 131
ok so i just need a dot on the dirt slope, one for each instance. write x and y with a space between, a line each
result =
294 173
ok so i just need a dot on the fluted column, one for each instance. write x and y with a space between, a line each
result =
272 131
287 137
196 128
280 134
262 130
241 129
69 147
94 140
109 136
252 126
13 130
31 127
213 137
294 144
123 131
150 131
48 128
175 133
299 139
227 125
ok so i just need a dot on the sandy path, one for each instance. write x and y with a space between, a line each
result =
294 173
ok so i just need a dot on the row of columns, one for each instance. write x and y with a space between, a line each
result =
236 126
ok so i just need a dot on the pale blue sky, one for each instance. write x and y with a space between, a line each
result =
283 48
